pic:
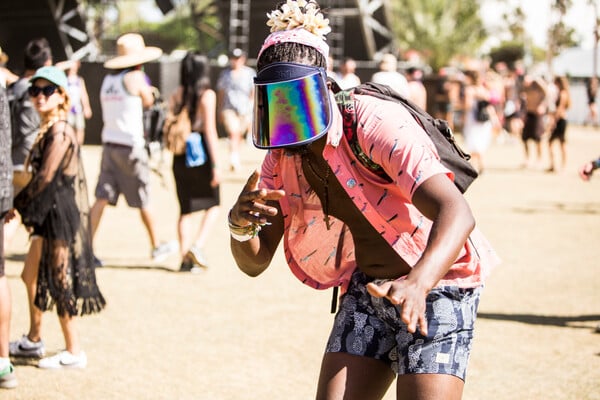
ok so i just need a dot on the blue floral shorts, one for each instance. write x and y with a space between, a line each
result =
372 327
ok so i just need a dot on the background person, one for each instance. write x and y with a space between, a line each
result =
80 101
124 168
197 185
347 76
25 121
59 266
235 95
559 128
8 378
388 75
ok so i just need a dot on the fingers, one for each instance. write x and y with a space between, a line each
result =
412 313
378 290
251 206
252 183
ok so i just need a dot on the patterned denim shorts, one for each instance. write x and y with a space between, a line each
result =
371 327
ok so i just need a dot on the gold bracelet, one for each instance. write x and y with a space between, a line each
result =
243 233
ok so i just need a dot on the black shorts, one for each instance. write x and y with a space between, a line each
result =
558 133
533 128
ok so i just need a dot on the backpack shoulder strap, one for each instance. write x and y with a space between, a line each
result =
346 104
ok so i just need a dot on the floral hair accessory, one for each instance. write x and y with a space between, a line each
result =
299 22
299 14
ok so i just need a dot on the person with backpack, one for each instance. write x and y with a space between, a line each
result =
404 251
195 159
124 165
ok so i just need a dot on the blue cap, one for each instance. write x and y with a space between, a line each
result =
51 74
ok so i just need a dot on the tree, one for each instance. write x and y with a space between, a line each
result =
193 24
439 29
560 36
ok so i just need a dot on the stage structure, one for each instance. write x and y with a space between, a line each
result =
62 22
360 28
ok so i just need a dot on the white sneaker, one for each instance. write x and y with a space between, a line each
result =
26 348
197 256
64 359
163 250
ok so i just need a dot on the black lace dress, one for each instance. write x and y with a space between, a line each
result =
55 204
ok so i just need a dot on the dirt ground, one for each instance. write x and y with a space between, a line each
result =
223 335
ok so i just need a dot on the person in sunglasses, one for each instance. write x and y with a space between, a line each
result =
404 252
54 205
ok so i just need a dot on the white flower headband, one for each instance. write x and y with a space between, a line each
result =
299 14
298 21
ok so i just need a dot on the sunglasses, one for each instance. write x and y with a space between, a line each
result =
48 91
291 105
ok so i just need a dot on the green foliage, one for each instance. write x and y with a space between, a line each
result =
439 29
508 52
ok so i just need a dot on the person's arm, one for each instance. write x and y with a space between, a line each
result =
85 100
587 169
253 208
53 157
206 121
137 84
439 200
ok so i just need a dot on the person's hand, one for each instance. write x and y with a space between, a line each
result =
10 214
216 177
251 207
585 172
408 295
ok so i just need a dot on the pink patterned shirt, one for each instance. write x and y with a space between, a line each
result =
318 257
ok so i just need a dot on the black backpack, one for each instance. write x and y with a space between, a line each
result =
154 120
451 155
24 117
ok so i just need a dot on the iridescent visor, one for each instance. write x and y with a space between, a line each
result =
291 105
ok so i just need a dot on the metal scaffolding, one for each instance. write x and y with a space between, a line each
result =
239 24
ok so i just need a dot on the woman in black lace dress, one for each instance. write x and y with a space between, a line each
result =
55 206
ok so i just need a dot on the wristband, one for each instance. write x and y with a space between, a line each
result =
596 163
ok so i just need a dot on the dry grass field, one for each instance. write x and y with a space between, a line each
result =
222 335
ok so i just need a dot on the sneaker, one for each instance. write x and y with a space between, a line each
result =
190 266
163 250
97 262
64 359
8 378
197 256
26 348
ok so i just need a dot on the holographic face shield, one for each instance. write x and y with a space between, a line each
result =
291 105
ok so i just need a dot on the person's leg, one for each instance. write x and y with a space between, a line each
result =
96 214
29 277
70 333
563 154
5 301
232 125
10 229
551 155
148 220
346 376
208 221
429 387
183 229
5 307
